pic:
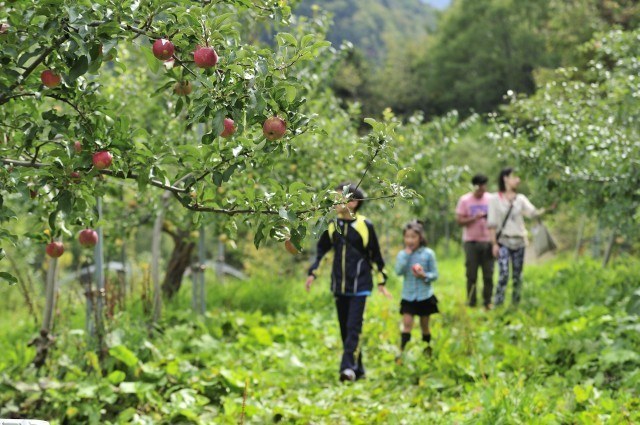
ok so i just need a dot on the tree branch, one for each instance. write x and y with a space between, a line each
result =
200 208
117 174
247 154
182 64
176 191
369 165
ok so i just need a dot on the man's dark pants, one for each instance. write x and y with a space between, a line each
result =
479 255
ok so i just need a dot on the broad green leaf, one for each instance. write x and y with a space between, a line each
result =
582 393
286 39
125 355
79 67
116 377
152 61
11 279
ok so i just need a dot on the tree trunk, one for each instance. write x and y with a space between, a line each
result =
99 300
595 249
609 251
155 265
180 260
87 284
220 262
45 339
576 254
198 301
202 259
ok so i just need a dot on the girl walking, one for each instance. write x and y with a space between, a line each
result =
417 265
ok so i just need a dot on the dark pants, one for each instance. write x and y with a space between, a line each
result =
517 261
350 316
478 254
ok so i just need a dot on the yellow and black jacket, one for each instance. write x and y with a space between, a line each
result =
356 250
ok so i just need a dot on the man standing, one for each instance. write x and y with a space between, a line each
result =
471 213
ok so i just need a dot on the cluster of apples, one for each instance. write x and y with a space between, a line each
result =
273 128
87 238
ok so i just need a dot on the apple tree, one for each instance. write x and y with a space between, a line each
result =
578 135
187 104
68 133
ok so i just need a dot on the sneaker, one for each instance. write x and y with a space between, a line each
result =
347 375
488 307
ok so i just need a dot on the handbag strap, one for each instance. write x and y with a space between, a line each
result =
506 217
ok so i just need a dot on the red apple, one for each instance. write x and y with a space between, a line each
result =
50 78
183 88
75 176
274 128
54 249
33 194
229 128
77 146
4 28
163 49
416 269
88 237
290 247
205 57
102 160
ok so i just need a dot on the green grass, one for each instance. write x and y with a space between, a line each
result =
569 354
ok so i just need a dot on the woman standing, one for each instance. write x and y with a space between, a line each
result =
508 233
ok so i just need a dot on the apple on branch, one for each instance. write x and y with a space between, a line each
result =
205 57
88 237
290 247
50 79
274 128
54 249
163 49
229 128
183 88
102 160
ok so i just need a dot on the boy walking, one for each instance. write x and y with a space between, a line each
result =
356 250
